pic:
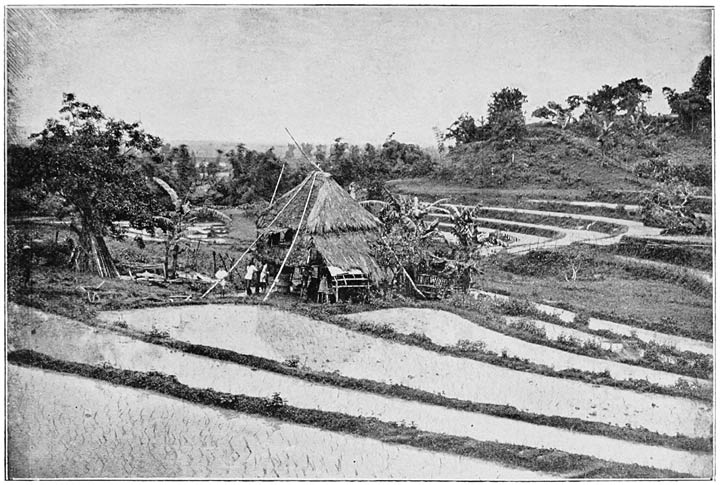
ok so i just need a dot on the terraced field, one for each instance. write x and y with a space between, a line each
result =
64 426
40 332
445 328
281 336
679 342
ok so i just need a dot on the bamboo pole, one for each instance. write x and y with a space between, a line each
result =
301 151
292 244
277 184
232 268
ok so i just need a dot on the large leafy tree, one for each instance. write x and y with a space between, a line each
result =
702 80
559 114
92 163
693 107
466 130
505 114
255 175
628 98
399 159
632 95
602 101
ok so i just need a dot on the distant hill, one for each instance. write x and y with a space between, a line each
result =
550 158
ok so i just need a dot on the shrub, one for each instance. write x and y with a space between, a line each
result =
275 402
293 361
515 307
471 346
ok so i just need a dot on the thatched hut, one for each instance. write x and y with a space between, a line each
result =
336 232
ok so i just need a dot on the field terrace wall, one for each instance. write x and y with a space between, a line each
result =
334 225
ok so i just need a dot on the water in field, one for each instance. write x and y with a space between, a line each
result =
122 352
324 347
63 426
445 328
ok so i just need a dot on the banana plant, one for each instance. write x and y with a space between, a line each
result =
175 223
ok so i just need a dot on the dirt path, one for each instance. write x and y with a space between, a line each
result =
65 426
446 328
118 351
326 347
680 343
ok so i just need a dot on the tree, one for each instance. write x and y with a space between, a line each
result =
627 99
602 102
557 114
505 115
185 167
320 153
702 80
631 96
91 161
255 174
466 130
344 162
693 107
213 167
307 148
402 159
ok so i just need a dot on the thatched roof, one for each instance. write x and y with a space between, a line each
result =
330 210
337 226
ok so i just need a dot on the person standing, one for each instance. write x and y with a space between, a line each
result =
324 289
250 271
26 261
263 278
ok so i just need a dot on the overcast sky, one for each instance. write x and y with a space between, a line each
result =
243 74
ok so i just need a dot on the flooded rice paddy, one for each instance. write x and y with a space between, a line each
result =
103 346
320 346
445 328
63 426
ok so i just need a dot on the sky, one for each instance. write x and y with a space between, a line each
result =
361 73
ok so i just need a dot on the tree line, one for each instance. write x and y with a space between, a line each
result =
609 110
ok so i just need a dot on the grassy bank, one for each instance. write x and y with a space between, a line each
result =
590 281
548 220
619 212
551 461
478 353
685 363
698 256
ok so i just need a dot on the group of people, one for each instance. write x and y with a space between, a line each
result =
256 278
312 281
315 284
